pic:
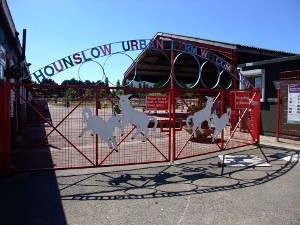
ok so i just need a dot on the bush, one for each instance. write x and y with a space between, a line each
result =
195 108
116 109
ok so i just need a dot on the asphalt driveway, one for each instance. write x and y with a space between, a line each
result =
190 191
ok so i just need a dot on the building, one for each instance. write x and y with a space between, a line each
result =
260 66
155 63
272 76
13 62
13 66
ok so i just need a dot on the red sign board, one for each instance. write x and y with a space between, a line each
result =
157 102
242 99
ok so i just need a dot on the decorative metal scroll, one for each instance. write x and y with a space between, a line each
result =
139 44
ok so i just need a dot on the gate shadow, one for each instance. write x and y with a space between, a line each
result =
36 197
32 150
30 198
188 178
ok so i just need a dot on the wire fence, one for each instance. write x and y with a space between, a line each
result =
55 127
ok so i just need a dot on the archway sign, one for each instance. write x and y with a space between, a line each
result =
133 45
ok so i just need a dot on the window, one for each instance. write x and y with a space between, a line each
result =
1 72
257 79
2 62
2 56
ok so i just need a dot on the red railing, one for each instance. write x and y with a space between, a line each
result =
46 121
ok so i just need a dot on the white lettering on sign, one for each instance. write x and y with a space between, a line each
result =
157 103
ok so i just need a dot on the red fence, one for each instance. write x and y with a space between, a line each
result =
243 130
45 123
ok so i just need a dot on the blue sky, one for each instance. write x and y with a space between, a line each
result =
59 28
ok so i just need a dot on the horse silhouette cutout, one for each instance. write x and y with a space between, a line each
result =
199 117
135 117
105 129
220 123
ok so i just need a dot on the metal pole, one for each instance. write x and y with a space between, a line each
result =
278 114
256 115
98 103
222 111
172 110
235 73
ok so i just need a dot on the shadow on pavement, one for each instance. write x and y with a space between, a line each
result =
30 198
36 198
190 178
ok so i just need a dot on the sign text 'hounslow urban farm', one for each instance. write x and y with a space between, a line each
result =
132 45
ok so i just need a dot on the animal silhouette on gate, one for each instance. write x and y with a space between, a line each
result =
105 129
135 117
199 117
220 123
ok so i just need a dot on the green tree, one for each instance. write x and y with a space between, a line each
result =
160 83
99 83
89 92
49 81
88 82
72 82
106 83
70 93
124 82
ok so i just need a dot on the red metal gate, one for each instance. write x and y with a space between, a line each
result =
244 121
46 121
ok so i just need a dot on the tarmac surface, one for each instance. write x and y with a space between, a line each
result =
190 191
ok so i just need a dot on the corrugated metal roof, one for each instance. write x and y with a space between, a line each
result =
277 60
195 39
219 43
265 49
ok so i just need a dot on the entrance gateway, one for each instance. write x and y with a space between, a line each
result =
89 126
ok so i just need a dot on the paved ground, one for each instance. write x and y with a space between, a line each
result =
191 191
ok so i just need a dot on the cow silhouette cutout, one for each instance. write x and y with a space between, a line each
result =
220 123
105 129
135 117
199 117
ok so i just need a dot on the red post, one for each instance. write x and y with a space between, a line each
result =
4 128
278 114
256 115
222 111
98 105
172 111
235 73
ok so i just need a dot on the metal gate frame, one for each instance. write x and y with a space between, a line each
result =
169 127
253 130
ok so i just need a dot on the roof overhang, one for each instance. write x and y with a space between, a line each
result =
155 65
270 61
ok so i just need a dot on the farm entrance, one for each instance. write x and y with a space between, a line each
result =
46 126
